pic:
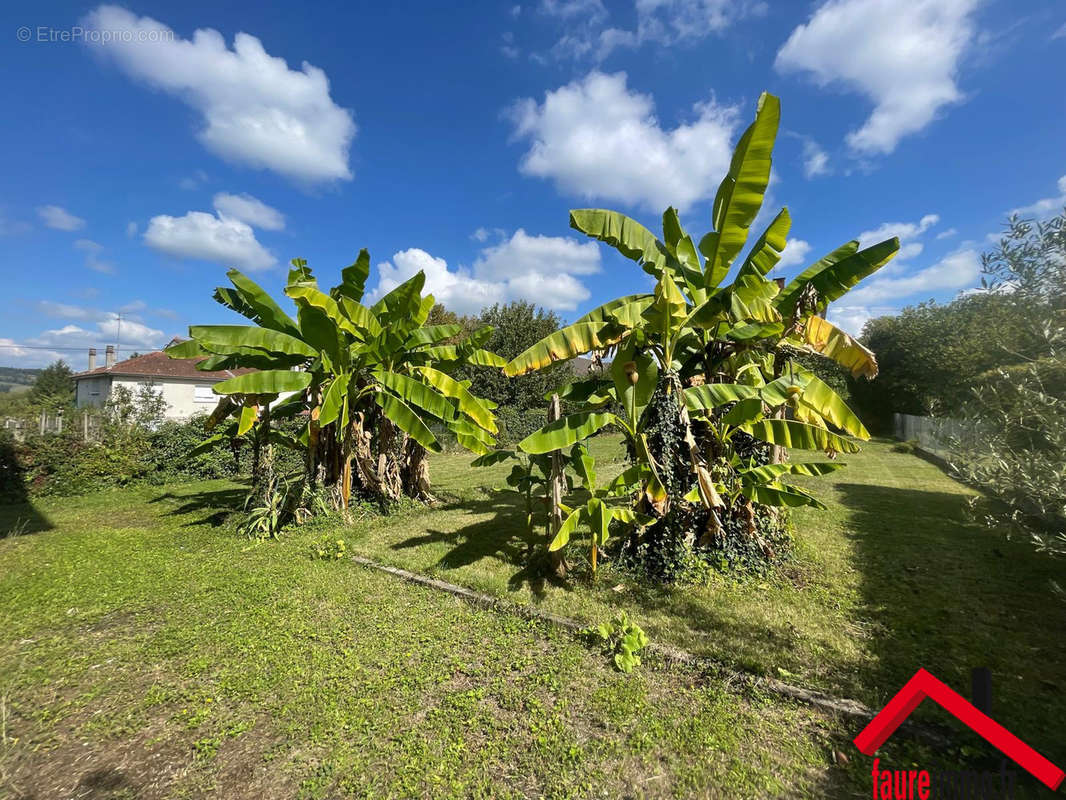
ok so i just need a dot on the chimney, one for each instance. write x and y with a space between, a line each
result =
109 356
92 359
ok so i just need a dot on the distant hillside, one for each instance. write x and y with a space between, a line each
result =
16 379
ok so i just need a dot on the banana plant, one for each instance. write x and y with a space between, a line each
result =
598 512
373 381
670 348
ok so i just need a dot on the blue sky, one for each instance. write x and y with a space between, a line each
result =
149 147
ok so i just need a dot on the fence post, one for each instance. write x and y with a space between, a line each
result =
85 426
42 423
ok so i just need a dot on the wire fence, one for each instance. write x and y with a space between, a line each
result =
85 424
940 436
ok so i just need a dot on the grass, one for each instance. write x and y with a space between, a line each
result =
192 662
148 652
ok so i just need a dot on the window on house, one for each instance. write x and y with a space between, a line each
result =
203 394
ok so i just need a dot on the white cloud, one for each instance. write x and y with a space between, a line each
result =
664 23
131 229
852 318
795 252
1046 207
946 234
1060 33
205 236
903 56
256 111
60 219
480 235
458 290
584 10
93 260
598 140
249 209
907 233
130 335
95 329
815 159
958 270
539 269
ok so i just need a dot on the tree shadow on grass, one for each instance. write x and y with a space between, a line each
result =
22 517
949 596
217 504
503 536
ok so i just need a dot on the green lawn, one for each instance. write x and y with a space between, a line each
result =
149 652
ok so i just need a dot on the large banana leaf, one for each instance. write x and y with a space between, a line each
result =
485 358
468 403
403 302
221 338
768 473
310 295
267 381
417 394
190 348
353 278
778 494
566 530
334 399
788 296
702 399
565 432
835 279
828 404
799 436
626 311
740 194
625 235
360 315
825 338
261 305
635 375
766 252
407 420
564 344
431 334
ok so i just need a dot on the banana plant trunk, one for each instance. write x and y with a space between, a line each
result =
415 472
557 487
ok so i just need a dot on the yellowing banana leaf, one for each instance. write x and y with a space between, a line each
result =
249 414
825 338
564 344
799 436
360 316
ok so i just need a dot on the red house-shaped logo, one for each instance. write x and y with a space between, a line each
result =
924 685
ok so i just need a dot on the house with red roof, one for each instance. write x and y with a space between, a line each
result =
186 390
